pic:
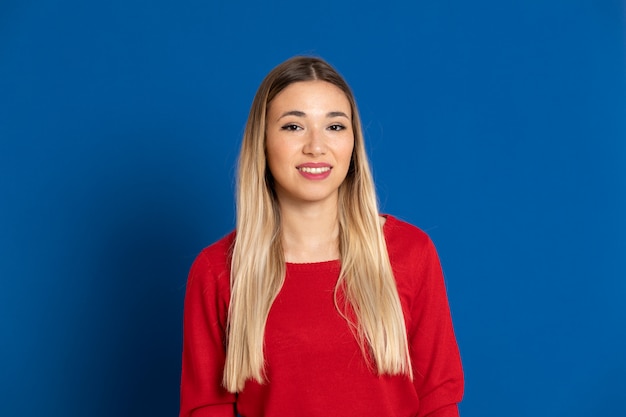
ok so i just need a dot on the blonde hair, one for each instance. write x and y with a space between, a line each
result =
258 265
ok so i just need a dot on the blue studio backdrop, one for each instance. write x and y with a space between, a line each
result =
497 127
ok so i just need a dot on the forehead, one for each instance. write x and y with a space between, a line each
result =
310 95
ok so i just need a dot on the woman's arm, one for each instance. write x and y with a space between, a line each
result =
206 309
438 374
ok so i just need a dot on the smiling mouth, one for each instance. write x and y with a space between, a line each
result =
317 170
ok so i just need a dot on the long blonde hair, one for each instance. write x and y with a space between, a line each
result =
258 265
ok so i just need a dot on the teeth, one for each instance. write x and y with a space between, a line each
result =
314 170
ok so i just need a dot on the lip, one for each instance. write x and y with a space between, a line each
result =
315 166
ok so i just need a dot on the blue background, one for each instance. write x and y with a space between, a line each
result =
497 127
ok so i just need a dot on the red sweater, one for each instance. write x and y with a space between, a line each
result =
315 367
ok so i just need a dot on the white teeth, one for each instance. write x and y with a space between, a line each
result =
314 170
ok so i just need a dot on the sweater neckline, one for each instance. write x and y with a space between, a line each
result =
332 263
330 266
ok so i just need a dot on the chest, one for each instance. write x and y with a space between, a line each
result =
304 324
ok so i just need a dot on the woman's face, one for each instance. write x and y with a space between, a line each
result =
309 142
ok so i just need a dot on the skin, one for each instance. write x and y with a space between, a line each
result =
308 123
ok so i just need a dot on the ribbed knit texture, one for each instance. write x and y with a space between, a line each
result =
315 367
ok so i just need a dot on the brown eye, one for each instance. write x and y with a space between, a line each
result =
336 127
291 127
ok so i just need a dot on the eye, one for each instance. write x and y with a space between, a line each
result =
291 127
336 127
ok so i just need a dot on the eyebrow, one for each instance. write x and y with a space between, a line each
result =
337 114
299 113
292 113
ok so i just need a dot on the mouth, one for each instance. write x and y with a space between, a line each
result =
314 170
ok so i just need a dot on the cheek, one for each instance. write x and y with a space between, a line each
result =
270 149
276 156
270 161
345 157
348 152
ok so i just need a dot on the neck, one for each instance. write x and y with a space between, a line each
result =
310 233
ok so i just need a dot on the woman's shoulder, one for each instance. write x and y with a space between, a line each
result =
412 254
220 250
403 234
214 260
408 246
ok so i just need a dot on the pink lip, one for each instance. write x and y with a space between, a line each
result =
315 175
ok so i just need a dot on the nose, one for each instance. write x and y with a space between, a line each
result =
314 143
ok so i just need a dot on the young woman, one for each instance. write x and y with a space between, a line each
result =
317 305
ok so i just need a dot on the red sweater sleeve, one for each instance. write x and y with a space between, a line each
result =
438 375
204 324
437 371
